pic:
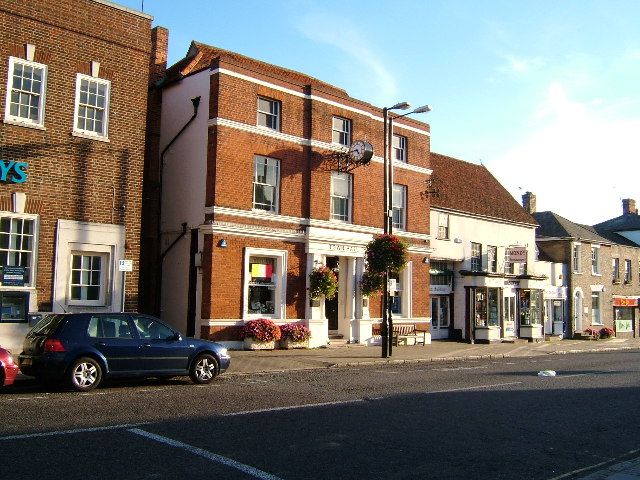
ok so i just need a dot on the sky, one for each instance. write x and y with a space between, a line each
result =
544 94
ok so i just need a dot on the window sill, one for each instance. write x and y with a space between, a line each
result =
89 136
18 123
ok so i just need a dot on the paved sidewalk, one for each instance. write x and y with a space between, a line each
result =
243 362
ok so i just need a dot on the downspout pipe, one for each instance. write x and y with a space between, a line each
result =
196 103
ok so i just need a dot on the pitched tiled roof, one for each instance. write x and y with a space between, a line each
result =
626 222
201 56
553 225
467 187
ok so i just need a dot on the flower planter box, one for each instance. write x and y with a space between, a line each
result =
253 344
287 343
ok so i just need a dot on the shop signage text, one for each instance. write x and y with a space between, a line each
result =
625 302
343 248
13 171
13 276
516 254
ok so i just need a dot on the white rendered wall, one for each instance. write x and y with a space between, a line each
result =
183 188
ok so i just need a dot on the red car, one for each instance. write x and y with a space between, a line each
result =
8 368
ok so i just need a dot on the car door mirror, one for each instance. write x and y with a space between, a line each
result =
177 337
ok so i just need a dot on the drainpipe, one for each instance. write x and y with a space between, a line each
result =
196 103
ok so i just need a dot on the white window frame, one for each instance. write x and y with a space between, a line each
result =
443 226
84 284
399 207
492 258
269 163
576 258
17 119
627 272
595 260
34 243
337 197
103 133
280 282
269 118
596 312
341 131
615 270
404 279
476 257
399 145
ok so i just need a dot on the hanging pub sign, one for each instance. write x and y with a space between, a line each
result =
516 254
13 276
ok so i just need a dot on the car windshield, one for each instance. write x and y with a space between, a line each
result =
47 325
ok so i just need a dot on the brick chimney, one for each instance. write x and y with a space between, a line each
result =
159 54
529 202
629 206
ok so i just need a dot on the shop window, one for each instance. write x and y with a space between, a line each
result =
441 273
17 247
530 307
14 307
341 131
26 88
396 291
88 274
486 307
92 106
341 198
269 113
264 284
266 183
399 207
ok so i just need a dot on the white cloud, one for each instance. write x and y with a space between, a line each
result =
363 59
579 164
522 65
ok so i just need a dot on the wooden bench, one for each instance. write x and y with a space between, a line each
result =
403 332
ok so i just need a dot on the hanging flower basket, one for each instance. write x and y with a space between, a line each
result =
322 281
371 283
386 252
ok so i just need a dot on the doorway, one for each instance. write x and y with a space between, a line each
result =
440 317
331 304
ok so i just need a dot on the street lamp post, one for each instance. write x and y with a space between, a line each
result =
387 317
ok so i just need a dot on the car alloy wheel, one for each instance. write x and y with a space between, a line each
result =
204 369
85 374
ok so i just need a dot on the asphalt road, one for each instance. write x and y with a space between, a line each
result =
472 420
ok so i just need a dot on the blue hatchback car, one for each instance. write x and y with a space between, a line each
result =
84 348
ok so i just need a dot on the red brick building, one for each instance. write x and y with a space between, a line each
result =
72 131
251 202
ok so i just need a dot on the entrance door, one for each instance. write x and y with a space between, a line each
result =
440 318
331 304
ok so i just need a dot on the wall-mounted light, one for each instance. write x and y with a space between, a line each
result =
457 240
425 260
222 243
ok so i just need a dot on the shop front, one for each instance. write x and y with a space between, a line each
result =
625 311
441 291
555 311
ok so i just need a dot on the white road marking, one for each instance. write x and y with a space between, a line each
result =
70 432
214 457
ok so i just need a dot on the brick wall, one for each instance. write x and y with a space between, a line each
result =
70 177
